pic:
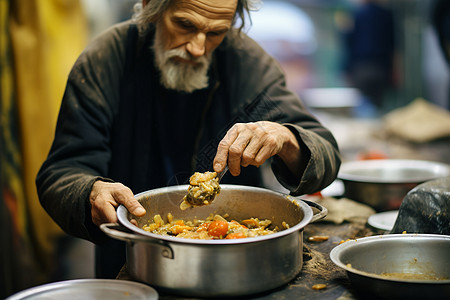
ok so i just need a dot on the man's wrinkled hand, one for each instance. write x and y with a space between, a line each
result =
253 143
105 197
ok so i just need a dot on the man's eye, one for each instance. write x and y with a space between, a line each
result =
217 33
186 25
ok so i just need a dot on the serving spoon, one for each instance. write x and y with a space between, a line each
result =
196 197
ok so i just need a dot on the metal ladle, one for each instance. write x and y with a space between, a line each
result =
190 200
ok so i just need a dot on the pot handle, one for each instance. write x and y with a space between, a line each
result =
119 232
322 210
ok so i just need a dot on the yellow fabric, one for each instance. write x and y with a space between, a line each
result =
10 159
47 37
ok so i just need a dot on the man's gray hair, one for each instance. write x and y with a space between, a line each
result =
154 9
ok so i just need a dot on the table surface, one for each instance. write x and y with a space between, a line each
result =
317 266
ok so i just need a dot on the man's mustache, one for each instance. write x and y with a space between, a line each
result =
184 55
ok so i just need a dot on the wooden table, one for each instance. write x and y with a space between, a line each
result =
317 267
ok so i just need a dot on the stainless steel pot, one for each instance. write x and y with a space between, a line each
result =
427 256
383 183
217 268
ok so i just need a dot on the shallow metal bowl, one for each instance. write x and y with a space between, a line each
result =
369 260
383 183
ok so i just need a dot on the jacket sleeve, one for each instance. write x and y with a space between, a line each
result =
266 97
320 166
80 151
320 157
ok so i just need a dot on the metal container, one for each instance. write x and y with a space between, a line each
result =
217 268
427 256
88 289
383 183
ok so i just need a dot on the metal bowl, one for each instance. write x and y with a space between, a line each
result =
418 265
383 183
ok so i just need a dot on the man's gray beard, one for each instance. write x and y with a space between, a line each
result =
181 76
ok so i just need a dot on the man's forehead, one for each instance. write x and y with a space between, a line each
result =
214 9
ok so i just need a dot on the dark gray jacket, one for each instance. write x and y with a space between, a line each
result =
118 123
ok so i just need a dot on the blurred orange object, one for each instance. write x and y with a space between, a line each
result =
317 194
371 154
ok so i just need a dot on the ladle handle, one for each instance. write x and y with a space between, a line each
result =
220 175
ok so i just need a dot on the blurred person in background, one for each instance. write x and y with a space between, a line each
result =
440 18
369 50
173 91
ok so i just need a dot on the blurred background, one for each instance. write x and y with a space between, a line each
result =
353 62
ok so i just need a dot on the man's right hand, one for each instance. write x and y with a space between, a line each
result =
105 197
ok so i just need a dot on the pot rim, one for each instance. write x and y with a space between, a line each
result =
338 251
122 214
345 172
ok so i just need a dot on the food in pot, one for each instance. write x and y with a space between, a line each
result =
202 190
213 227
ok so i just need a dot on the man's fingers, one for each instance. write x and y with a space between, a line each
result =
125 197
104 212
250 144
221 159
250 152
136 208
105 197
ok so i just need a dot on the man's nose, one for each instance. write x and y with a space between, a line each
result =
196 46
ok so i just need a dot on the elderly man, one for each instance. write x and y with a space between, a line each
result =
178 89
